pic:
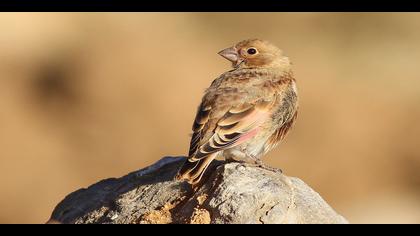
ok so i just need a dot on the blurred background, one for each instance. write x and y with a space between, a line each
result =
88 96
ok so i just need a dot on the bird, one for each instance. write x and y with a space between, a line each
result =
246 111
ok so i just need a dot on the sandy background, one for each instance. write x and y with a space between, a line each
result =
90 96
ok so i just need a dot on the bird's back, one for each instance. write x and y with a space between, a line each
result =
247 110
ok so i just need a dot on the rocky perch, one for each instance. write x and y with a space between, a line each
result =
230 193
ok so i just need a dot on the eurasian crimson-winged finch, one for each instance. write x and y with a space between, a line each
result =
246 111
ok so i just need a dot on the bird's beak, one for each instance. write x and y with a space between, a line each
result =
231 54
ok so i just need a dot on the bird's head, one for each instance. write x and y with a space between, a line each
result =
255 53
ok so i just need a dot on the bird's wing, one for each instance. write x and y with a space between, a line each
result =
238 124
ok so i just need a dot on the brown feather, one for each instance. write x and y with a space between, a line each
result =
280 133
256 101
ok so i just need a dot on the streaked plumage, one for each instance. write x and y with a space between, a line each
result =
245 112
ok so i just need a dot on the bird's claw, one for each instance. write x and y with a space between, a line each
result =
261 164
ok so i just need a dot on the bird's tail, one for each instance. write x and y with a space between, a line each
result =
192 171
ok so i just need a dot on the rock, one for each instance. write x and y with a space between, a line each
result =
229 193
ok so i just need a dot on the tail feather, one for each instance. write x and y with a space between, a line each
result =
193 171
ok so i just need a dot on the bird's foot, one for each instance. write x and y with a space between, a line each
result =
259 163
266 167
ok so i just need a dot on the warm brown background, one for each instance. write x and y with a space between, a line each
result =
89 96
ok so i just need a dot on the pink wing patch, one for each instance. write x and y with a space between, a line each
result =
247 136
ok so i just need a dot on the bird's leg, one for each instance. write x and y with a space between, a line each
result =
245 158
262 165
259 163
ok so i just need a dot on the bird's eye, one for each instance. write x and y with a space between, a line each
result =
251 51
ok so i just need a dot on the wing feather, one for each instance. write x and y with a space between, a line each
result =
239 121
